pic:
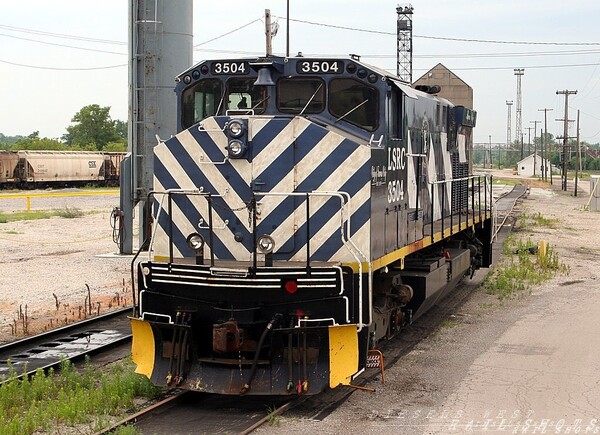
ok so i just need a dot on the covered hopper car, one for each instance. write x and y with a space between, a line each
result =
28 169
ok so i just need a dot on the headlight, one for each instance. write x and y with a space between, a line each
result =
236 149
195 241
265 244
235 128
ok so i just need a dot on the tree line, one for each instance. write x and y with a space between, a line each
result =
92 130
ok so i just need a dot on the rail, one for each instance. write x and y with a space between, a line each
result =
48 349
501 216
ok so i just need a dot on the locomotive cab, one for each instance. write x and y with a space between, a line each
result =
305 211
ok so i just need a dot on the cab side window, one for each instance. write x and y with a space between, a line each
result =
354 102
201 101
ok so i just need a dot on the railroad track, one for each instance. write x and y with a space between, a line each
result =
504 206
244 414
193 412
71 342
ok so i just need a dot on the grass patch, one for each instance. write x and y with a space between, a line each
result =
523 267
506 181
12 232
449 323
536 220
70 398
67 212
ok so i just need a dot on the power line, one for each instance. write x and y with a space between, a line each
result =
60 35
227 33
62 69
62 45
442 38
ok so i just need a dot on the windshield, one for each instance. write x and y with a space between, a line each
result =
245 98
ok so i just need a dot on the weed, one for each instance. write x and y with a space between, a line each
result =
67 212
126 430
506 181
70 398
274 419
449 323
523 267
536 220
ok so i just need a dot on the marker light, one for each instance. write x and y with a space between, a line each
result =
291 287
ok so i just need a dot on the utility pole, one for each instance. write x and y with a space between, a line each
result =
565 138
519 72
544 146
535 123
578 164
268 30
490 137
508 123
287 31
529 139
508 130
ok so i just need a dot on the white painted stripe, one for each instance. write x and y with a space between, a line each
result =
411 182
332 184
361 239
221 185
333 225
201 205
447 162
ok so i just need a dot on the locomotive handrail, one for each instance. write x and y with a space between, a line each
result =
346 240
210 162
473 204
166 194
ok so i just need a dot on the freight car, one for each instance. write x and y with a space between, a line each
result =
8 163
306 210
27 169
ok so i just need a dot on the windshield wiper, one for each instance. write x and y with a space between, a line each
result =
351 110
310 100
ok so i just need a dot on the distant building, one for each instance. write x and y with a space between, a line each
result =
533 165
454 89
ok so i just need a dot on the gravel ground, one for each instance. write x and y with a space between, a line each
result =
528 365
59 256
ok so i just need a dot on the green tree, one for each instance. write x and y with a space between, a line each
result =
93 126
121 127
35 142
120 146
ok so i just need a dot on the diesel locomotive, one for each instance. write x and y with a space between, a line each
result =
306 210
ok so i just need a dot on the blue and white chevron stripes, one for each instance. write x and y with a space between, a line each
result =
287 158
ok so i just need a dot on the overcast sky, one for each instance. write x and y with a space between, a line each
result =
52 64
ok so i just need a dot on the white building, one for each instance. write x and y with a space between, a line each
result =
532 165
